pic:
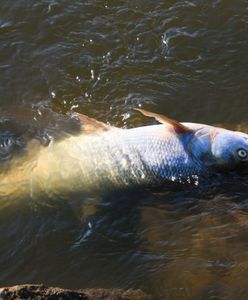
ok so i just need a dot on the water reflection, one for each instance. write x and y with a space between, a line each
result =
199 247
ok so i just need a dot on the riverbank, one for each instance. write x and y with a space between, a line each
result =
41 292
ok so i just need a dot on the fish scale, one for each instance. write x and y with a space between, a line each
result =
163 154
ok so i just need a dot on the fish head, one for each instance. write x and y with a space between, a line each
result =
229 149
219 148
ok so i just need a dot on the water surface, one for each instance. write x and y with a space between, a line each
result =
186 59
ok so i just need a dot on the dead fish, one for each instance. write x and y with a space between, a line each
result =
104 158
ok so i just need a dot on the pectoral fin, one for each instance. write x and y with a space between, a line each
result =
178 127
90 125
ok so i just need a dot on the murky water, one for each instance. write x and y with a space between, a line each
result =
186 59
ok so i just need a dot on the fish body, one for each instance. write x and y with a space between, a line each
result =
105 158
116 159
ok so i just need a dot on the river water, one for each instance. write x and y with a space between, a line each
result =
186 59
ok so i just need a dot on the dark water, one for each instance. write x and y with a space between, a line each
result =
186 59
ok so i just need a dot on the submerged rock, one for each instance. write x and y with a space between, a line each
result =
41 292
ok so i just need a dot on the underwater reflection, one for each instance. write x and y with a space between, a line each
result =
200 246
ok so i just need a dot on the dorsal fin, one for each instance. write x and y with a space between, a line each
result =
178 127
90 125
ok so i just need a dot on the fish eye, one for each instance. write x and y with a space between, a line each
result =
242 153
